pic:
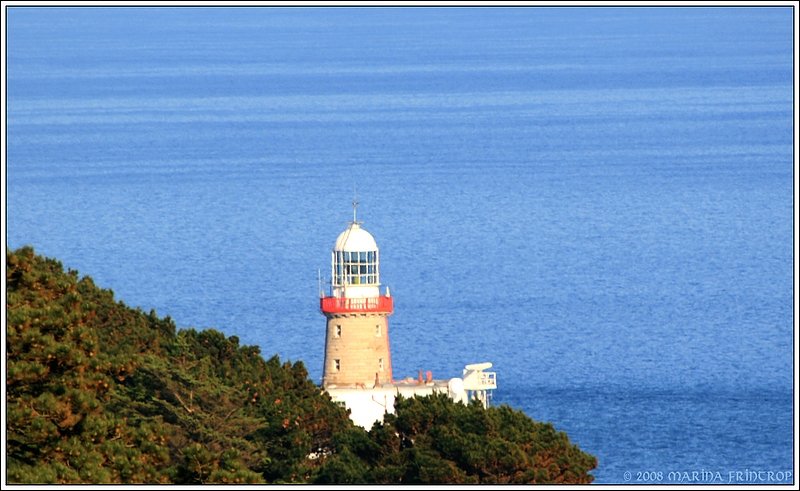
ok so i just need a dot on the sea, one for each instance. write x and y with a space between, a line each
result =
596 200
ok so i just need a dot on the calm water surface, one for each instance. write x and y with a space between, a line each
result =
599 201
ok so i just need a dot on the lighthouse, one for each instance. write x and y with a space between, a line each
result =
357 371
357 332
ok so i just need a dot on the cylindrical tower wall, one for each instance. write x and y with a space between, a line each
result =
357 350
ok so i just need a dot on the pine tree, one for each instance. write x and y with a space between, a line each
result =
98 392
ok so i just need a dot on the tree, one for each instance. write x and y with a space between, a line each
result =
435 440
98 392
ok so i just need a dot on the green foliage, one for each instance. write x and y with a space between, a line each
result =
98 392
435 440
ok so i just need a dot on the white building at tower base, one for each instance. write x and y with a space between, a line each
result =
368 405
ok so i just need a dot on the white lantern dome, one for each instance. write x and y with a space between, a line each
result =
355 238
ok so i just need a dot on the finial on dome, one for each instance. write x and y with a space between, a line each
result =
355 206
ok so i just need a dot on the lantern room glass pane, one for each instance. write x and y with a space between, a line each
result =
355 267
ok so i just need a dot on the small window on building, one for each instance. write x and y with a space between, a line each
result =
337 333
377 330
336 365
380 363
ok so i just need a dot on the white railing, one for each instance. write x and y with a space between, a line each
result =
489 380
479 380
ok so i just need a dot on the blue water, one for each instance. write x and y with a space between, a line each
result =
597 200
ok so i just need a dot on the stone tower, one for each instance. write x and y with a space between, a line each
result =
357 332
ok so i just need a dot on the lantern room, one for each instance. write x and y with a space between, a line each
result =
355 264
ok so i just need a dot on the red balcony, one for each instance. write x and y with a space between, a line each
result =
333 305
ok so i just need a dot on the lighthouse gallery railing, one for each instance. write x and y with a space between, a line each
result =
335 305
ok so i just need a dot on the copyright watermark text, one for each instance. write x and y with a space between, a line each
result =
709 477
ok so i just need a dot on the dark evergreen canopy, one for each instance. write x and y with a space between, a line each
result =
98 392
